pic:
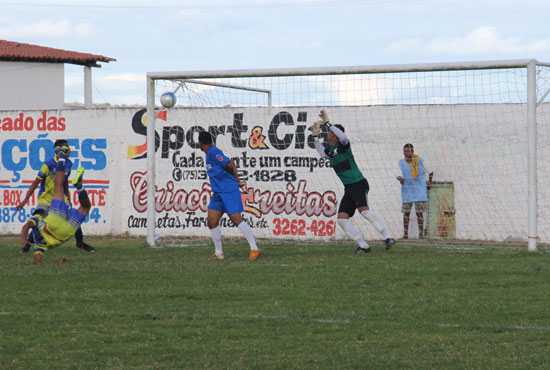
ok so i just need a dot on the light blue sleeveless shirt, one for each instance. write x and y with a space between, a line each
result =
413 190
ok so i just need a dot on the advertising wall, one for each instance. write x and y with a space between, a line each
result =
27 139
291 191
275 156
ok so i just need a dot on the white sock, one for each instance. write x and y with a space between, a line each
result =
352 232
375 221
217 239
247 232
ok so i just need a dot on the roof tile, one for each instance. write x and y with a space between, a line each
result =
17 51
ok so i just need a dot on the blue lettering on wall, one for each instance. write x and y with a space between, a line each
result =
9 160
18 154
89 152
39 150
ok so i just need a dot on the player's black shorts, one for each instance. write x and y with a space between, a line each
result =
356 195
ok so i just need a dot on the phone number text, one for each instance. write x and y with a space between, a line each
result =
284 226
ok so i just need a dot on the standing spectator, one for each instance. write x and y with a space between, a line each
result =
414 188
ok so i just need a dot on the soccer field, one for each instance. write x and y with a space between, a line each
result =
299 306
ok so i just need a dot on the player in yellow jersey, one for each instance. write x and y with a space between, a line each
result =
50 230
45 179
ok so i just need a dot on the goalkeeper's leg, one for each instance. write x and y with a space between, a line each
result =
345 211
378 225
352 231
375 221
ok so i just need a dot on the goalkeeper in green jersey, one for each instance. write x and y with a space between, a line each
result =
356 186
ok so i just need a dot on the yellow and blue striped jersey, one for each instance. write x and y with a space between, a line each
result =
47 175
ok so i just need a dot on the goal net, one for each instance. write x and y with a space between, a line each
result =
472 124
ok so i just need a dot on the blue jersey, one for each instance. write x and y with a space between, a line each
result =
221 181
414 189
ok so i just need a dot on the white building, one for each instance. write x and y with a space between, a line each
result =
32 77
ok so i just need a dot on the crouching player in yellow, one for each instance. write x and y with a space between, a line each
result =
61 222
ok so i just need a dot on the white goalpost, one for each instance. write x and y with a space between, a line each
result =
482 127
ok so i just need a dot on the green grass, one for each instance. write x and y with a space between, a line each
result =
298 306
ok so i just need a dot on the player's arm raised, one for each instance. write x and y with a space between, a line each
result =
316 131
342 137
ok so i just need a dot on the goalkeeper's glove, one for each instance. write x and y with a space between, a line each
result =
324 119
323 115
316 129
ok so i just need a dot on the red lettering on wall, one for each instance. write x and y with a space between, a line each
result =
27 123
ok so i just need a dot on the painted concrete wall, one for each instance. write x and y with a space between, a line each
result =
291 193
28 86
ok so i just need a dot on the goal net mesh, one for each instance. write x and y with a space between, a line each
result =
469 126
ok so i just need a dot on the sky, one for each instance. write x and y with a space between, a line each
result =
169 35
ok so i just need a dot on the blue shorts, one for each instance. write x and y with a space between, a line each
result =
42 206
229 203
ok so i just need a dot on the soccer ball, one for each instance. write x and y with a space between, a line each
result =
168 99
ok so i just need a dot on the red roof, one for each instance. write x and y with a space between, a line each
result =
17 51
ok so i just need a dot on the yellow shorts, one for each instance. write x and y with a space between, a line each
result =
51 243
61 222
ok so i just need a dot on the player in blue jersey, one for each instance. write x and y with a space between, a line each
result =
226 196
45 179
50 230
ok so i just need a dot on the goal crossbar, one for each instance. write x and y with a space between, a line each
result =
366 69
